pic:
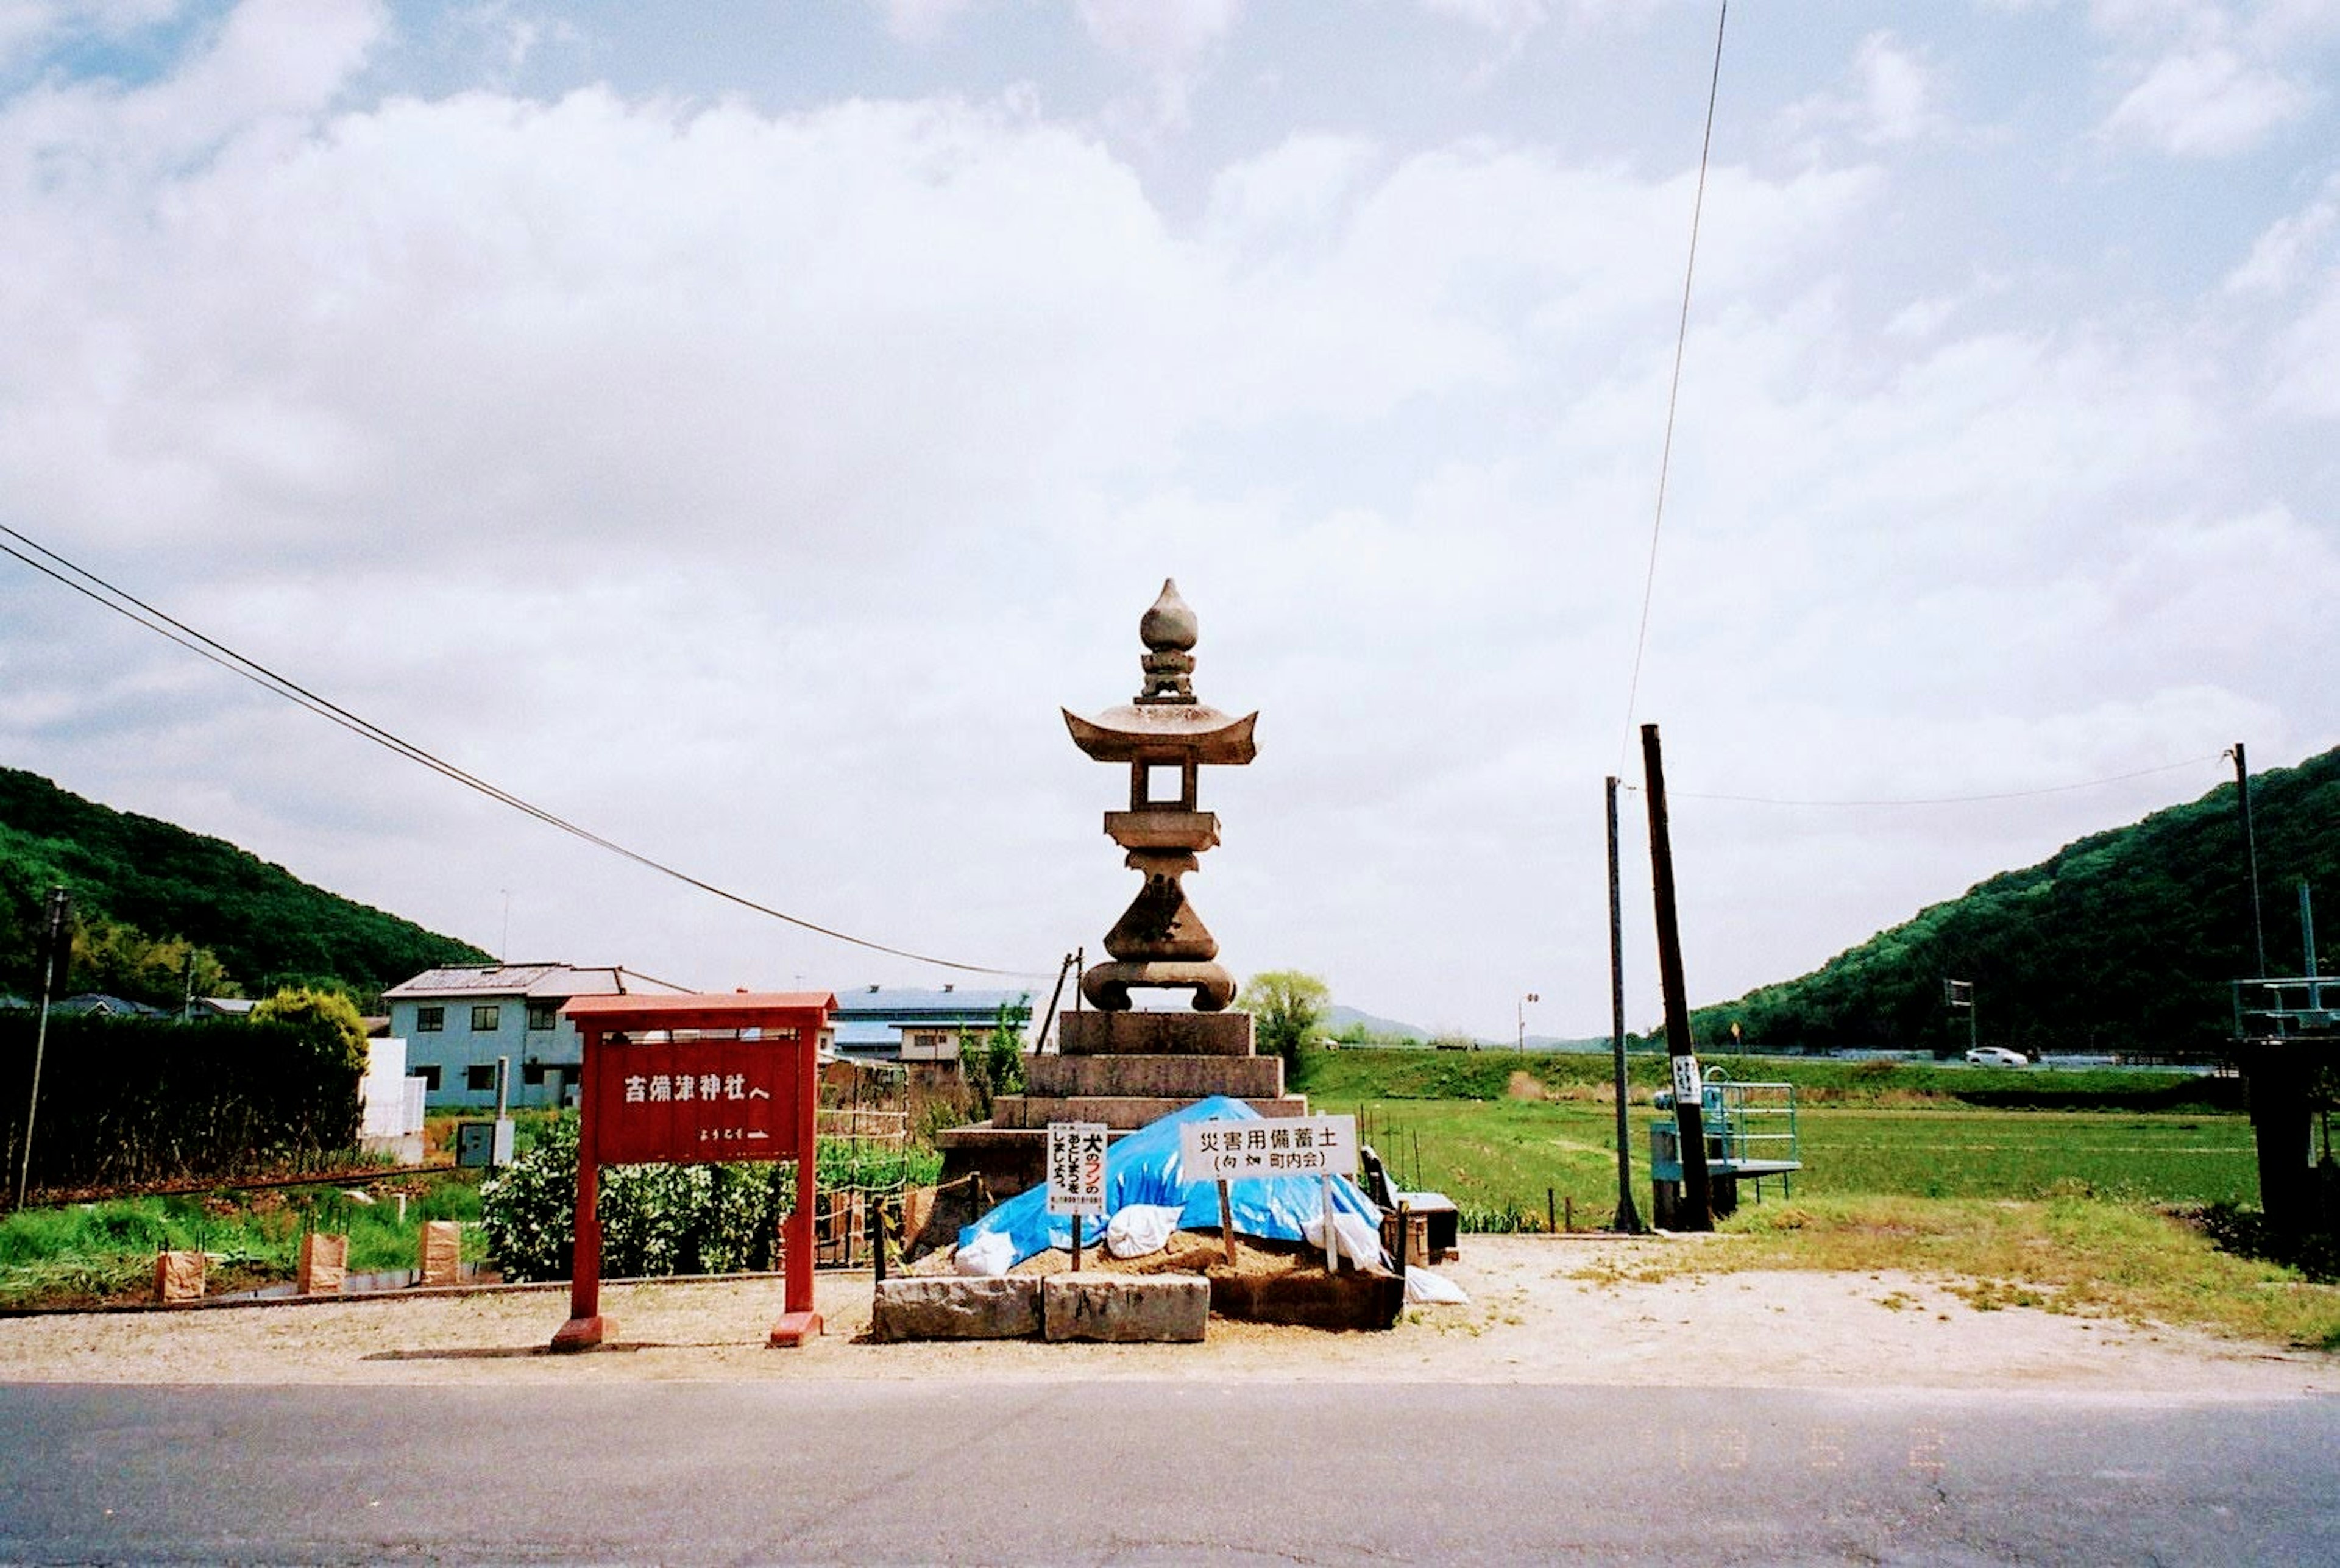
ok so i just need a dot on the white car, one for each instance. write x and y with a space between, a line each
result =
1996 1057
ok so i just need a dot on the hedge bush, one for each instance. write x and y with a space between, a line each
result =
131 1101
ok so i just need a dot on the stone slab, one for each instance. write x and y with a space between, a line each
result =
1126 1309
1349 1299
179 1276
956 1307
1155 1077
1135 1034
325 1264
1034 1112
442 1252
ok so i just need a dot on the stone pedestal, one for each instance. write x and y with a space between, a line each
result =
179 1276
1125 1069
442 1253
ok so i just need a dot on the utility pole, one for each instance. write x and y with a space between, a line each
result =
1521 1010
2250 854
57 961
1629 1218
1698 1210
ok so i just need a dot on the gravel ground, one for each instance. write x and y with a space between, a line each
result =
1529 1321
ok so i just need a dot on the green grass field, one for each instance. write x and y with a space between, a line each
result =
1495 1130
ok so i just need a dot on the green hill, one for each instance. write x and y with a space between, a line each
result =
151 897
2126 940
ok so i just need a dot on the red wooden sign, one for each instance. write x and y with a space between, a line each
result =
689 1079
676 1101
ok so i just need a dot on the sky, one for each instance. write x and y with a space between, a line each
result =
739 429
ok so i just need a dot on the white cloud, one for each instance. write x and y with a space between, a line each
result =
921 20
752 483
2206 103
1891 97
2289 247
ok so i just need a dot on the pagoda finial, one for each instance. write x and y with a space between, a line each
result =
1168 629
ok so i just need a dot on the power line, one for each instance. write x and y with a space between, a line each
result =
1959 800
1673 388
131 607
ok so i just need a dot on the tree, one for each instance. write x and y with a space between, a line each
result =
1287 1004
992 1062
327 1019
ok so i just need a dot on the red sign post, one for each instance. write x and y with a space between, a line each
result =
695 1079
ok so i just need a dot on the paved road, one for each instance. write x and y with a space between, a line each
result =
1155 1471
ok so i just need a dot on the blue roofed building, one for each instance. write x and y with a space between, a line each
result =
897 1024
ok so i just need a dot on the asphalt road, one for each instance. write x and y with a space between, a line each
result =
1155 1471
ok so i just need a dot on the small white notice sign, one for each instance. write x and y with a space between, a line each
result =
1271 1147
1690 1085
1077 1167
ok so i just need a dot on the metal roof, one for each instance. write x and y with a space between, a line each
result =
538 982
907 1006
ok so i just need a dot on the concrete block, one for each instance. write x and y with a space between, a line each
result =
1135 1034
1156 1077
1126 1309
957 1307
179 1276
442 1252
325 1264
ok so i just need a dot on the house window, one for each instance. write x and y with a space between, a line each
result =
429 1021
539 1014
479 1078
428 1073
531 1072
483 1019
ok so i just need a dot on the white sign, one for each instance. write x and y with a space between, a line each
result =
1270 1147
1689 1084
1077 1167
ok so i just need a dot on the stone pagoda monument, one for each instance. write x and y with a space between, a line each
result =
1115 1065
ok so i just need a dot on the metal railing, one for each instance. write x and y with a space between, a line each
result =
2287 1008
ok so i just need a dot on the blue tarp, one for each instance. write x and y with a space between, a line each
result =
1143 1168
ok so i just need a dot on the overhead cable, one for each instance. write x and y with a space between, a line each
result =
1673 388
91 586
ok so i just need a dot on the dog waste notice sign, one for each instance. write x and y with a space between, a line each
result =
1077 1167
1271 1147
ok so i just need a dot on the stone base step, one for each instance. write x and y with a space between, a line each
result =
1155 1077
1134 1034
1034 1112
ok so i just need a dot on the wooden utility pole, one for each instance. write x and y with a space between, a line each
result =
1629 1218
1698 1211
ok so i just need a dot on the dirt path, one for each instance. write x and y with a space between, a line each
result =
1530 1321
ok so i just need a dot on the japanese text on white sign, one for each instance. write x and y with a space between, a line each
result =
1272 1146
1077 1167
1689 1084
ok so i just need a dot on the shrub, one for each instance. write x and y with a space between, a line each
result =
655 1219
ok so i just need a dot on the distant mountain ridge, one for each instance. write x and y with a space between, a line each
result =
187 897
2125 940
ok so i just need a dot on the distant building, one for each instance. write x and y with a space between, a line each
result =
457 1021
882 1025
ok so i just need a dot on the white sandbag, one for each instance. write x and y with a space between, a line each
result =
990 1254
1423 1288
1359 1239
1141 1228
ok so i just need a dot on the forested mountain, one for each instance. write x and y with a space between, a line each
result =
2126 940
151 897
